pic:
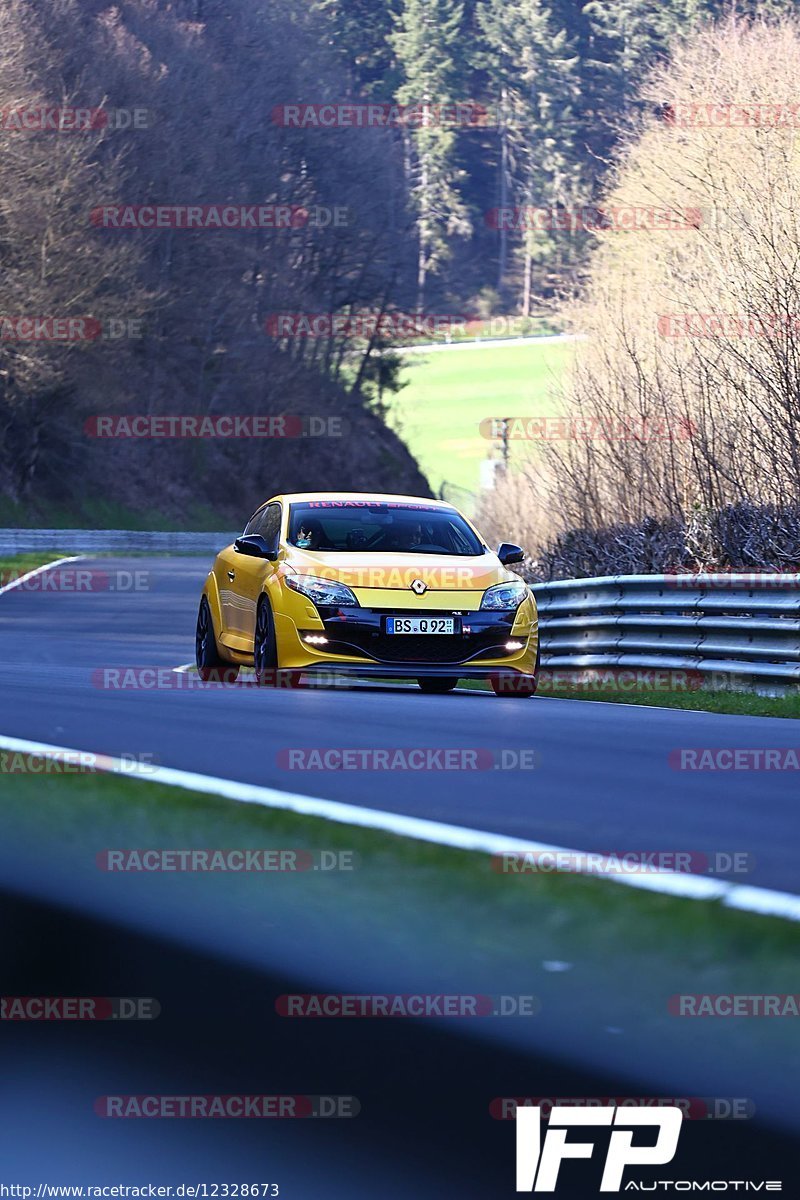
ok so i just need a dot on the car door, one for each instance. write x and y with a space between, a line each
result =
230 577
249 572
226 571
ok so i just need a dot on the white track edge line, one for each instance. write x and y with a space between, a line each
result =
58 562
745 898
546 339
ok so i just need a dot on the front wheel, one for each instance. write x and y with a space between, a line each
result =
265 652
210 666
265 647
436 687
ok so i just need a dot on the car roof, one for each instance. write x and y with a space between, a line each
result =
379 497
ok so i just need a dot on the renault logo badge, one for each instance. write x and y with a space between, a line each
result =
419 586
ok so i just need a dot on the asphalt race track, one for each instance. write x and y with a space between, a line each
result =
602 781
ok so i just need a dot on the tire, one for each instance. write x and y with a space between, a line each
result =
210 666
265 652
265 647
436 687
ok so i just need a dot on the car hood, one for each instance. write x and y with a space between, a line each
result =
395 573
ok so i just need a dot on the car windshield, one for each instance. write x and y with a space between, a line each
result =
375 527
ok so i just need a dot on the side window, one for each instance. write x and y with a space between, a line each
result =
267 522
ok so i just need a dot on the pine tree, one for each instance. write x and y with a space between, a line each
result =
425 42
627 37
358 33
533 74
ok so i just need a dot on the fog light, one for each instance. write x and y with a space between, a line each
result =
315 639
515 645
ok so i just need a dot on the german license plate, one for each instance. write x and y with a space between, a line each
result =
420 625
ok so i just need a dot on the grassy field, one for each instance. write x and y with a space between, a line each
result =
500 327
450 392
438 413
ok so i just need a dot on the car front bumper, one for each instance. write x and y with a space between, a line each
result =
357 643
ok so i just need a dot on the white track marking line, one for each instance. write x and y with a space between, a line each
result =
763 901
548 339
58 562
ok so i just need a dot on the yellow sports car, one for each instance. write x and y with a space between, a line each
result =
367 585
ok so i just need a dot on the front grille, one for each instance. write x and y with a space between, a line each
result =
427 648
360 631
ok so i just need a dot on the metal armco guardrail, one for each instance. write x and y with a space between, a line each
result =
99 541
743 625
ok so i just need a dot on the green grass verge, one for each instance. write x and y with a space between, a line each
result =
745 704
450 392
14 565
441 914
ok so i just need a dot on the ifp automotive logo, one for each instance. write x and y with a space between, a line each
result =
539 1160
538 1164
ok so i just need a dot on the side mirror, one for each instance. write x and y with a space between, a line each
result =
508 553
256 546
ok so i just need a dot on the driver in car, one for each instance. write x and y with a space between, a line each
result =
308 537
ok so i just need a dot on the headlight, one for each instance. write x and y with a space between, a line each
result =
321 591
505 595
